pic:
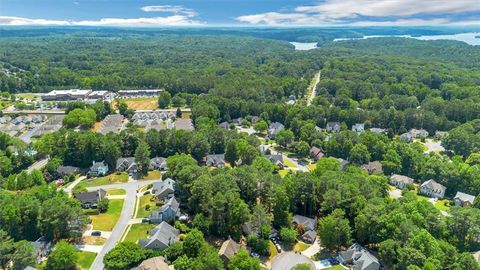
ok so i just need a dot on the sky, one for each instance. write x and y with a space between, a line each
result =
158 13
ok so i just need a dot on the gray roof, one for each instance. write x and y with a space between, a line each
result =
308 223
166 186
432 184
215 159
66 170
311 234
360 258
464 197
125 162
275 158
274 128
229 248
97 165
401 178
91 196
172 203
164 233
157 162
332 124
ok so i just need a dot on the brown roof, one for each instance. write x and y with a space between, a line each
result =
229 248
316 152
155 263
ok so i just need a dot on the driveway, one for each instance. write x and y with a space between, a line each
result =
70 187
314 89
38 165
127 213
433 146
313 249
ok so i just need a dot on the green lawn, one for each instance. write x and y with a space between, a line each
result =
144 201
300 246
138 231
272 249
106 221
289 163
443 205
101 181
152 175
116 191
282 173
27 95
85 259
312 167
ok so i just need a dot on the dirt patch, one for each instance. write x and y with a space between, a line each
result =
94 240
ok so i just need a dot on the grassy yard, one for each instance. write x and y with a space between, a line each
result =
443 205
116 191
144 201
147 103
300 246
138 231
106 221
27 95
335 267
107 180
152 175
282 173
272 249
85 259
289 163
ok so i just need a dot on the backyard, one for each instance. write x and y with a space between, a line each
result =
138 231
106 221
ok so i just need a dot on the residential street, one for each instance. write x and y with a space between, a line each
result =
314 89
70 187
127 213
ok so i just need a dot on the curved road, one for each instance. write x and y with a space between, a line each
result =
127 213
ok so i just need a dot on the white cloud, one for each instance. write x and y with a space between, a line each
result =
154 21
175 9
368 12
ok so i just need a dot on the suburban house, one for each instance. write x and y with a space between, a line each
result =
316 153
98 169
42 249
359 258
164 190
90 199
419 133
277 160
224 125
160 237
333 127
167 212
127 164
155 263
309 236
274 128
343 163
306 222
359 128
400 181
406 137
378 130
439 134
463 199
432 189
63 171
372 167
158 163
308 226
228 249
215 160
254 120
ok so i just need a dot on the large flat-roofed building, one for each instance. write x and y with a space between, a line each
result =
66 95
139 93
98 95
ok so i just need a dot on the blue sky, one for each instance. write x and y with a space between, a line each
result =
239 12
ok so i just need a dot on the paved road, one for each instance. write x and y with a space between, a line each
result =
127 213
314 90
38 165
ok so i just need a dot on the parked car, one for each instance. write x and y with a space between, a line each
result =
279 248
333 261
96 233
145 220
255 255
146 192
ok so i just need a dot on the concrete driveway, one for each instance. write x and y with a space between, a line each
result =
128 210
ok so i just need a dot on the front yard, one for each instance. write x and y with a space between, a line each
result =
101 181
144 201
85 259
138 231
106 221
116 191
443 205
152 175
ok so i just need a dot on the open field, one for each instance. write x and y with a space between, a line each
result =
144 201
147 103
106 221
138 231
85 260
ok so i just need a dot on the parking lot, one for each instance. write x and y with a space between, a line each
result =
111 123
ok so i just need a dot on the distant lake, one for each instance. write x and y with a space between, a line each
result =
304 46
469 38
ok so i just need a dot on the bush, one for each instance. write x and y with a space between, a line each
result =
288 235
258 245
103 205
